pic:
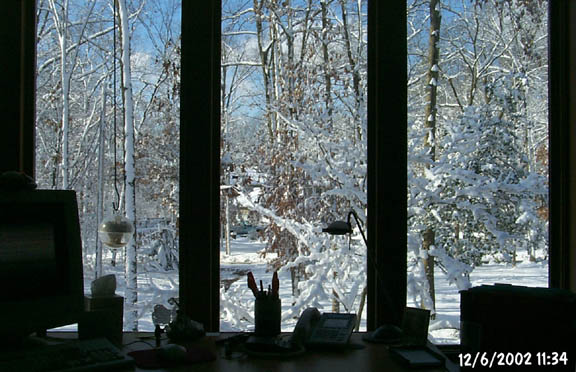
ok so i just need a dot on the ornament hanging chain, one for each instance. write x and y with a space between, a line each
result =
115 205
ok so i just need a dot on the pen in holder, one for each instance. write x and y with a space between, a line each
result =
266 307
267 315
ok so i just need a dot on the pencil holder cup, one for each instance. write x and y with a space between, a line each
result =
267 316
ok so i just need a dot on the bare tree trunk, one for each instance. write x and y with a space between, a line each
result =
427 242
227 223
361 308
66 69
100 187
226 169
335 298
297 274
61 22
358 97
264 58
327 64
275 75
430 125
131 293
65 100
290 69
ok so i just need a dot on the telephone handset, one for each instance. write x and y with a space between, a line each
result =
328 330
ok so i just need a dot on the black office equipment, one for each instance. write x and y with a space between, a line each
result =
328 330
40 262
417 357
103 317
72 356
505 318
415 324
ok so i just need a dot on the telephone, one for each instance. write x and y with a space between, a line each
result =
328 330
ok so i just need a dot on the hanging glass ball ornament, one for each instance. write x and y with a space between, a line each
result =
116 231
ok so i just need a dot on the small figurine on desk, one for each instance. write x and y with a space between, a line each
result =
182 329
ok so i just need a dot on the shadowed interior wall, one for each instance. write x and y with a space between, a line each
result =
17 71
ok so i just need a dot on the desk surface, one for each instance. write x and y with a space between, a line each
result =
373 357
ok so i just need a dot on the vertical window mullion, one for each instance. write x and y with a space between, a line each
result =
562 116
387 159
18 40
199 162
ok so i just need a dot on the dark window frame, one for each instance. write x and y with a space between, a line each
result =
199 215
200 167
562 144
18 42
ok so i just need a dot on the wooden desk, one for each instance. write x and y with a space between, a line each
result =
372 358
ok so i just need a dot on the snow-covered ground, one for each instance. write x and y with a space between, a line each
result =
157 287
444 329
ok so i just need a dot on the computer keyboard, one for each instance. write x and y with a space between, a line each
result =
73 356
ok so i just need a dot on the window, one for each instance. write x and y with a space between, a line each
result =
201 89
199 206
107 123
293 157
478 145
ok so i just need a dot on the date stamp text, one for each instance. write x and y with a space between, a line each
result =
512 359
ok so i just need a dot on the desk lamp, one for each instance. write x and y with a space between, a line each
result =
343 228
386 333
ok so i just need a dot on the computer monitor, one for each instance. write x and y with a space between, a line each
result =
40 262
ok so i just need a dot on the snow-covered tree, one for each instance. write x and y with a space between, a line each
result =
308 126
131 294
484 193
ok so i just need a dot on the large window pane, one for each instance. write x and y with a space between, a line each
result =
478 151
293 109
86 95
